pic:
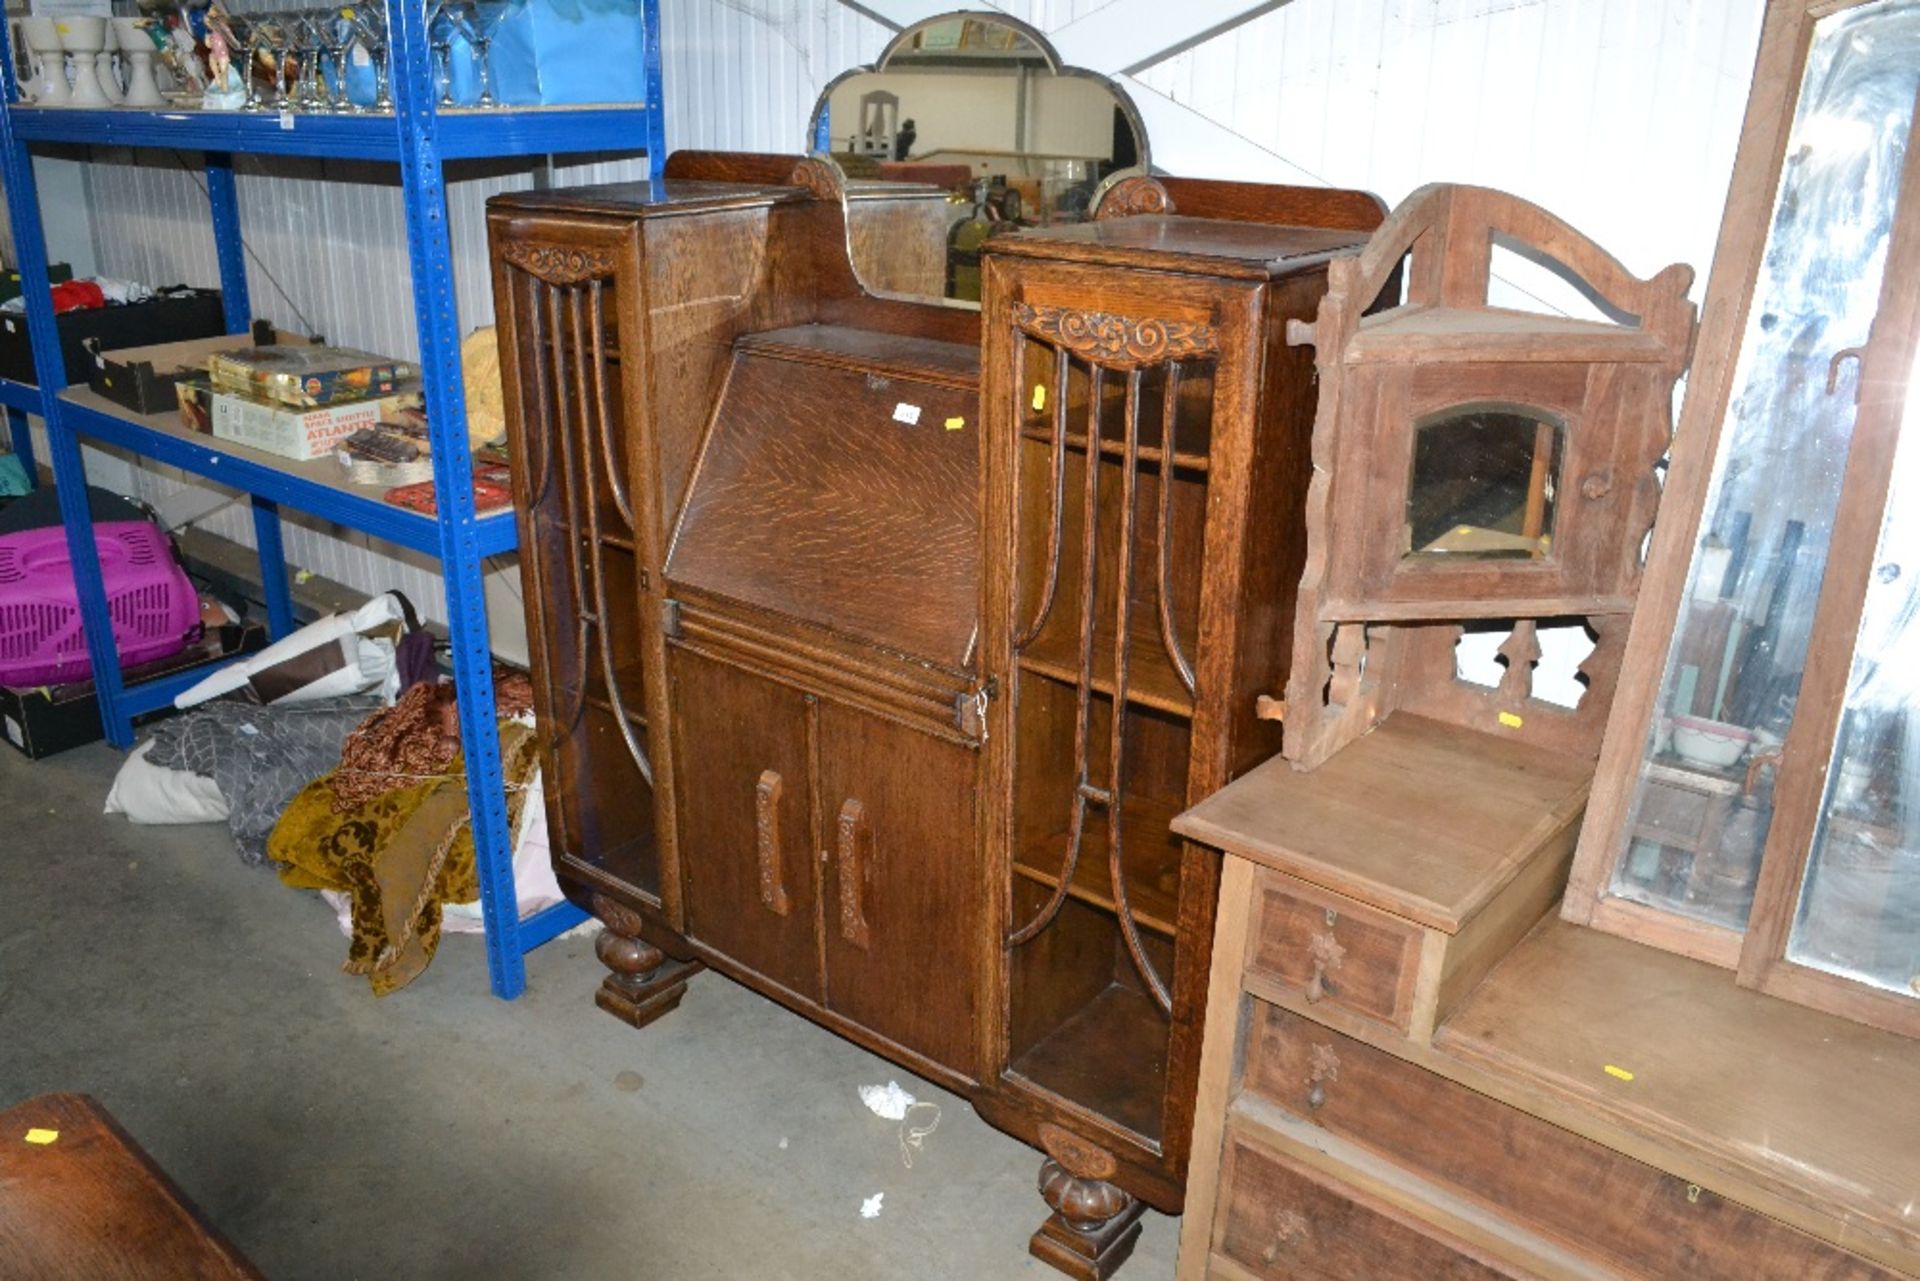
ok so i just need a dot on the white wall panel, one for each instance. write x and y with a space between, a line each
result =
1621 115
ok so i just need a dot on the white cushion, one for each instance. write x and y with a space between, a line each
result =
148 793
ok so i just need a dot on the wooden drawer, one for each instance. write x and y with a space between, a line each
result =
1629 1217
1332 949
1277 1219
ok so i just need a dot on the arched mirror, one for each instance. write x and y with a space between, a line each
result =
1483 483
967 123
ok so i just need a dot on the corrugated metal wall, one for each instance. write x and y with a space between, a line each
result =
1621 115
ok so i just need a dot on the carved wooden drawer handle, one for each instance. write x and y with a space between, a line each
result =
1327 956
853 838
766 831
1323 1066
1289 1229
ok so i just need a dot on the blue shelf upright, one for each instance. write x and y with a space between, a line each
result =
418 137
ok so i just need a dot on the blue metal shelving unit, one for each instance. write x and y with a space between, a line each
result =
420 139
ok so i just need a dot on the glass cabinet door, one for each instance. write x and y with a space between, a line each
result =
1702 801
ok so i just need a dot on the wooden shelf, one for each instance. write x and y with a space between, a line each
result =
1151 680
628 678
319 486
1111 1057
1152 863
553 518
1110 448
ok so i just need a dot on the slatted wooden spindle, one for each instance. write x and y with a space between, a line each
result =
1116 736
1169 634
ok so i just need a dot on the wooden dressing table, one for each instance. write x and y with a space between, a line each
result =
1590 1108
1701 1063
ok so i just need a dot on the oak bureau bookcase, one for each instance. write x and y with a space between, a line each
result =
877 639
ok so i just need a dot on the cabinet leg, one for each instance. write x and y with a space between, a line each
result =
1092 1228
644 983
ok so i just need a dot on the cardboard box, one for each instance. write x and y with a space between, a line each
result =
300 434
305 376
52 718
143 378
58 273
193 315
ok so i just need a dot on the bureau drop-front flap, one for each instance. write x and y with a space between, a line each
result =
839 486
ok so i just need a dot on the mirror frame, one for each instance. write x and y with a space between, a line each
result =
817 144
1786 40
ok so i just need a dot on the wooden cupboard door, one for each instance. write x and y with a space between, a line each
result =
745 819
904 914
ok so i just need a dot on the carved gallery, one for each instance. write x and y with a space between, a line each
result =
808 639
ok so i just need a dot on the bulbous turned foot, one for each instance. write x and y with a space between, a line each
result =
643 982
1093 1226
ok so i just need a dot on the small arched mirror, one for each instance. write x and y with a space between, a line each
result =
966 124
1483 483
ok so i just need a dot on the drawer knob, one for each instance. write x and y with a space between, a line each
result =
1323 1065
1327 956
1289 1229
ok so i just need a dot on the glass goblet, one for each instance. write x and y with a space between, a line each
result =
485 24
339 42
370 26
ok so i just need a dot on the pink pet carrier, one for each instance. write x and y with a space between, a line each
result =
154 609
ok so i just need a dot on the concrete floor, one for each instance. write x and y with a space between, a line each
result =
440 1132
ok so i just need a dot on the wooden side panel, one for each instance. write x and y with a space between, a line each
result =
1487 939
899 244
1277 1220
562 287
903 892
1605 1206
745 819
709 279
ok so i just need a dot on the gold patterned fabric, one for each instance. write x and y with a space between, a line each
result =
399 856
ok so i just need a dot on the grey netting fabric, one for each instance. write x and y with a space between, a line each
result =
258 756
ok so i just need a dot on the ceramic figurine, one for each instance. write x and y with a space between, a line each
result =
226 88
183 56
